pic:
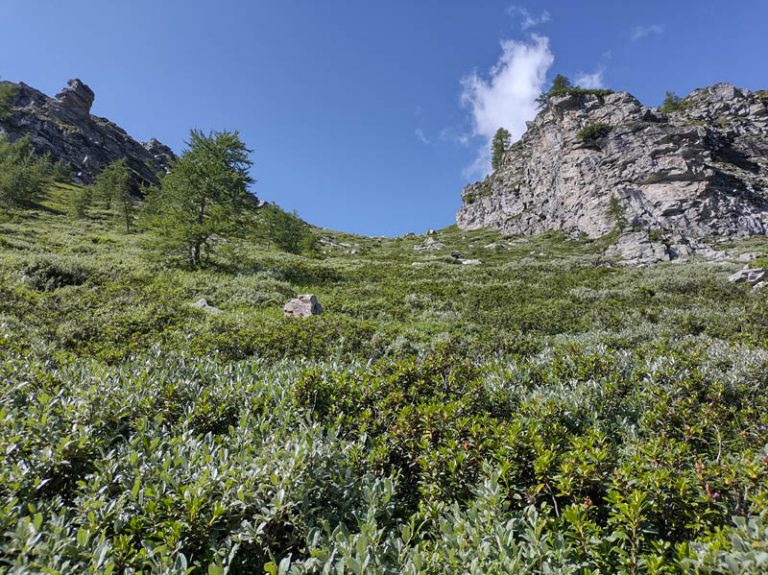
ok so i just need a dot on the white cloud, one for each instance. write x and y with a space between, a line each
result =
591 81
420 136
454 136
640 32
507 97
528 20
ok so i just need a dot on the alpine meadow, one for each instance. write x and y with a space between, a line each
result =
569 379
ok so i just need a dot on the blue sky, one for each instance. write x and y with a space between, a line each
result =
368 116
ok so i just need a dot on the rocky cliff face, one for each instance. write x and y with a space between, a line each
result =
588 160
64 128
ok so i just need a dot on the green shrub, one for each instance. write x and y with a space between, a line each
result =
617 213
591 133
81 200
286 230
46 274
485 190
656 234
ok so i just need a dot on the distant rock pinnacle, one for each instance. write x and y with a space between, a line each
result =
76 98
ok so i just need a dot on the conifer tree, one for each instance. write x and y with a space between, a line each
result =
500 143
204 195
113 188
23 176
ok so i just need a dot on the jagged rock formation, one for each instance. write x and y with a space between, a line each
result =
701 170
64 128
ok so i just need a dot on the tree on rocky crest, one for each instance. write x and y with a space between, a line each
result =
560 85
500 143
204 195
672 103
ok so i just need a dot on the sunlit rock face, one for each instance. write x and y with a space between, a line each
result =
701 170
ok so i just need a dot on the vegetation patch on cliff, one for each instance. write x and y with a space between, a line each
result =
591 133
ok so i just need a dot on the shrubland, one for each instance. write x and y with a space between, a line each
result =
543 412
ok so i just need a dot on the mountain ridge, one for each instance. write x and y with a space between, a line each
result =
64 128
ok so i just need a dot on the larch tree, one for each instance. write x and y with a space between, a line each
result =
204 195
499 145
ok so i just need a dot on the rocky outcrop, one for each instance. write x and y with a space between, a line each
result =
642 249
589 160
752 276
64 128
75 100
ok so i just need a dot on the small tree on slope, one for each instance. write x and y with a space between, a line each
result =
113 188
204 194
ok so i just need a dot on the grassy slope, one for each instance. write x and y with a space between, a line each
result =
541 378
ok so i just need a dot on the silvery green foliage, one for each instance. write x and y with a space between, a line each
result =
483 538
127 468
746 554
164 464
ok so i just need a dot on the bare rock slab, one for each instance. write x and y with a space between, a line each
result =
752 276
635 248
305 305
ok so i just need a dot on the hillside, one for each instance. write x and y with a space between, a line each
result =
696 168
467 402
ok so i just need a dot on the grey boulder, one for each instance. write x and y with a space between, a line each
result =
430 244
305 305
203 304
